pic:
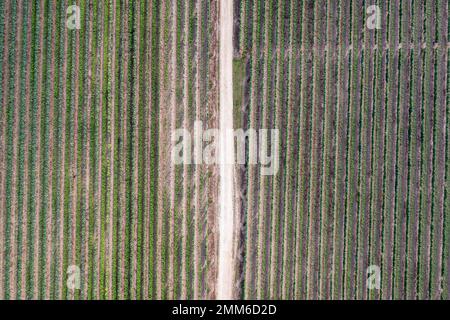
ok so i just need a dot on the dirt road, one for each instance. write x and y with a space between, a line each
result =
226 192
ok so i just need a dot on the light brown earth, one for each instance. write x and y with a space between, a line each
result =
225 281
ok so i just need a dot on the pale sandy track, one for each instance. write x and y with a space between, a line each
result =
13 212
51 143
24 251
225 281
5 73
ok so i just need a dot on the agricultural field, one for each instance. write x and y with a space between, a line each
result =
93 205
86 123
363 116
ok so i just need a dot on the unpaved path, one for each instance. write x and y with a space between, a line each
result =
226 186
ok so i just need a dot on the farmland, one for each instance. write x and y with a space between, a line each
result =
86 124
363 119
93 206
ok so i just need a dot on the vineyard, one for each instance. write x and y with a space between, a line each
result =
92 205
86 124
363 117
